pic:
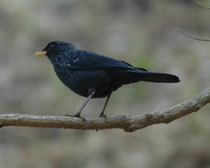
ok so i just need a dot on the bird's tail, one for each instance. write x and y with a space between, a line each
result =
141 75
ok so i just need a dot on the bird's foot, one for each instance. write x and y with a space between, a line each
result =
103 116
78 116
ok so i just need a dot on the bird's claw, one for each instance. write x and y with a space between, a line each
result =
103 116
78 116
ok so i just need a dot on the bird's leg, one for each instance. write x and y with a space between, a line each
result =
107 99
78 114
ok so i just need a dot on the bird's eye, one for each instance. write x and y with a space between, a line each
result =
51 45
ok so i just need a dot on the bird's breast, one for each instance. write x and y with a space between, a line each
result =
81 81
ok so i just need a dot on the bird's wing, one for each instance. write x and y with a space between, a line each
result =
87 60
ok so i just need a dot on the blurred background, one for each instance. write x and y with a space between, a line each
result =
141 32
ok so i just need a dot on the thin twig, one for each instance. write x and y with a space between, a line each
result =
200 5
128 123
190 36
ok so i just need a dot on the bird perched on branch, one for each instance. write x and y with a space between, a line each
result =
94 75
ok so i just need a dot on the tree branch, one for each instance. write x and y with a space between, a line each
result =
128 123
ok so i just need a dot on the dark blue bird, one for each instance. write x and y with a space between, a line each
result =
93 75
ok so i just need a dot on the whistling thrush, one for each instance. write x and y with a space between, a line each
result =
94 75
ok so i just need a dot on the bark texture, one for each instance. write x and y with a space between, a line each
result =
126 122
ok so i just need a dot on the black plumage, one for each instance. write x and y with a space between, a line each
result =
93 75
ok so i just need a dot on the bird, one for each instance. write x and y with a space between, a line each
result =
94 75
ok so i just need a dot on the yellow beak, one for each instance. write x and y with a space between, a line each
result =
41 53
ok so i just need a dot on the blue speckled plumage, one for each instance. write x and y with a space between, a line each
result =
86 72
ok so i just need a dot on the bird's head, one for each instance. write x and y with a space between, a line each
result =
56 49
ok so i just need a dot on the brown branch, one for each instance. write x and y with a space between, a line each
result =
128 123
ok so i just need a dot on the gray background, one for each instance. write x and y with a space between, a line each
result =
141 32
